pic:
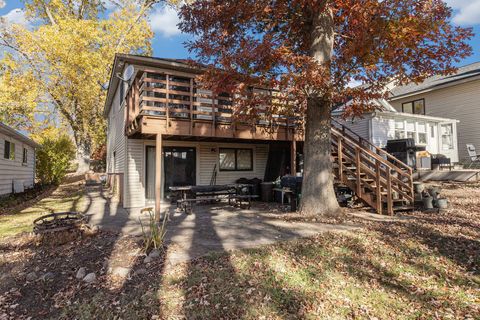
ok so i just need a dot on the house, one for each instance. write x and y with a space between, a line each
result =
196 146
17 164
166 130
456 96
438 135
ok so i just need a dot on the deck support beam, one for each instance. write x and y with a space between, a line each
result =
158 176
293 156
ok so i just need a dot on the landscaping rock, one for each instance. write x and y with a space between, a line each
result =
81 273
48 276
140 271
32 276
147 259
90 278
121 272
155 253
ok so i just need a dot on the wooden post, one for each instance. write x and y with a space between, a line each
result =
379 187
293 156
158 176
167 95
357 165
389 192
340 159
191 106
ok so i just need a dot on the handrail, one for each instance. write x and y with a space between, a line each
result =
374 166
372 154
379 150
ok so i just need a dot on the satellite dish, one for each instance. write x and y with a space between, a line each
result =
128 73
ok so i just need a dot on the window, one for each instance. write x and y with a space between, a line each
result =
235 159
447 136
399 130
415 107
25 156
421 133
410 128
9 150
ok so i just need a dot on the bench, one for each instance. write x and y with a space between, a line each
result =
186 204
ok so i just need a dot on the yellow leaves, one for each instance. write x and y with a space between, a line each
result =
66 62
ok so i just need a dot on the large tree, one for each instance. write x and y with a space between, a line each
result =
59 63
311 50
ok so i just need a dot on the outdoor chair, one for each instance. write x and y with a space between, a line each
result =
473 157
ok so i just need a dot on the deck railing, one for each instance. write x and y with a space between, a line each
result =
177 97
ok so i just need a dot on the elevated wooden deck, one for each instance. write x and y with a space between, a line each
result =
172 103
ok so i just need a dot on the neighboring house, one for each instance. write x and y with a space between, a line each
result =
455 96
152 110
437 135
17 162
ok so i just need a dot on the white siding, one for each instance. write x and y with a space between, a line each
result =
15 170
116 137
360 126
207 157
383 129
460 102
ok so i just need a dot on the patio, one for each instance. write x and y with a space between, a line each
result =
214 227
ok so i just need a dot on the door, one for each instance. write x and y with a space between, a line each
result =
179 168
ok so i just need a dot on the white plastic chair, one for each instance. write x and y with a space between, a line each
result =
473 157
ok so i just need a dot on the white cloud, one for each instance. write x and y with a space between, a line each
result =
16 16
354 83
2 4
466 12
164 20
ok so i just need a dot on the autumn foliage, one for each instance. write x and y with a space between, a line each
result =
268 44
310 50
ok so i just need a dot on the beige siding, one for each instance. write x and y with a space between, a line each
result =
207 157
15 170
460 102
135 174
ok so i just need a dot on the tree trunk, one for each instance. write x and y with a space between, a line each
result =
318 194
83 157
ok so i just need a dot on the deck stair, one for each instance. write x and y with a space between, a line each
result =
379 179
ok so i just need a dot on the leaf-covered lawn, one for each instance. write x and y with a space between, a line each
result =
424 267
19 218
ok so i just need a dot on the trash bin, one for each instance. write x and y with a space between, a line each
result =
267 191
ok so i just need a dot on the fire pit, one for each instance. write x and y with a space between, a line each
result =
60 221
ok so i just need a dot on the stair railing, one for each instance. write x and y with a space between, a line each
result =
384 180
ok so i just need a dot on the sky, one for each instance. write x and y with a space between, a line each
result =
169 41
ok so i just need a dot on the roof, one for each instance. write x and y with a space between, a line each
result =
121 60
9 131
464 73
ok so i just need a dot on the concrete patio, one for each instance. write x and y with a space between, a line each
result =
215 227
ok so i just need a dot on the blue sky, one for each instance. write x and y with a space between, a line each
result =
168 41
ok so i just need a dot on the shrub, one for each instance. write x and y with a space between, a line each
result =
54 157
154 233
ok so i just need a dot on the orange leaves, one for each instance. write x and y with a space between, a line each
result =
267 44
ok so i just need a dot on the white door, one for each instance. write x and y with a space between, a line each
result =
433 139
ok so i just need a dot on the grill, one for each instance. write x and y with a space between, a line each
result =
404 150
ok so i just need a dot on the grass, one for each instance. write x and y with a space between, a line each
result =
327 277
425 267
67 197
